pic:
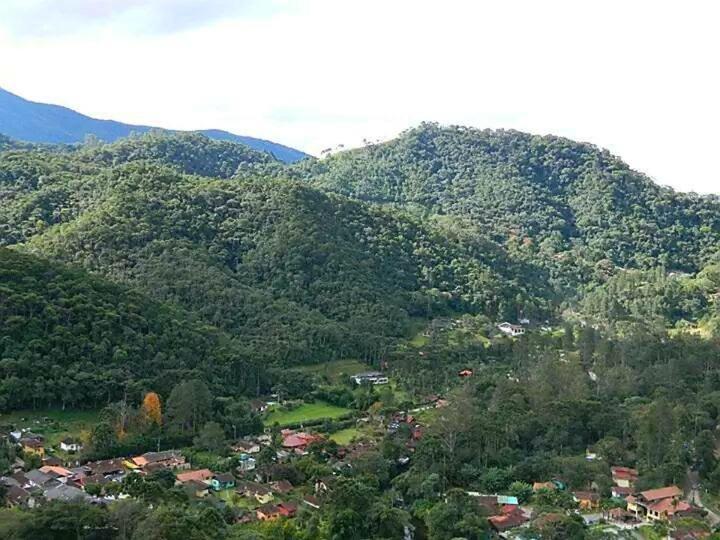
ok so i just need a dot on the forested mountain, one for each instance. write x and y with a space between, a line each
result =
344 257
300 275
39 122
552 195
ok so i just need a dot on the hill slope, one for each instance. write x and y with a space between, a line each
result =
70 339
552 194
39 122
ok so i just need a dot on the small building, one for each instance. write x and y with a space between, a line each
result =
246 463
71 445
106 467
624 476
222 481
587 500
33 446
246 447
66 494
298 441
201 475
509 518
258 405
268 512
196 488
16 496
619 492
372 377
154 461
259 492
512 330
465 373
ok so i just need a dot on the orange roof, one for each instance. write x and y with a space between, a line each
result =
669 506
60 471
624 473
140 461
661 493
198 476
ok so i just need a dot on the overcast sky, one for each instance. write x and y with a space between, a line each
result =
641 78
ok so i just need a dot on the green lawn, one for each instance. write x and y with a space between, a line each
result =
345 436
54 425
233 499
335 370
305 413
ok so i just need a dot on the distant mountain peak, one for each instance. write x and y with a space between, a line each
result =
29 121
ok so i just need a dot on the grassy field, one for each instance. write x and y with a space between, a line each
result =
54 425
345 436
334 371
305 413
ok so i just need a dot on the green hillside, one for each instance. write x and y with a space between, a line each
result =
552 194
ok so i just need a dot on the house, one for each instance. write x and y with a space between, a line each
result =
32 446
268 512
287 509
16 496
246 447
624 477
621 492
196 488
660 504
537 486
246 463
282 487
513 330
201 475
259 492
372 377
222 481
71 444
299 441
587 500
258 406
37 478
509 518
65 493
465 373
58 472
107 467
154 461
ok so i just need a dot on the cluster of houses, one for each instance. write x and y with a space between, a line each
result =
56 479
661 504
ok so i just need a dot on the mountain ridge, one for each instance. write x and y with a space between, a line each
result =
36 122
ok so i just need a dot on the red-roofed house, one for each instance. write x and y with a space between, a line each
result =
624 476
508 519
299 441
659 504
202 475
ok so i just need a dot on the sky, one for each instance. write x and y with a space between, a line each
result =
641 78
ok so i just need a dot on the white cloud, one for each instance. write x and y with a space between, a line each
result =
639 78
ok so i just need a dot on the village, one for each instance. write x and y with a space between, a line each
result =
256 493
291 468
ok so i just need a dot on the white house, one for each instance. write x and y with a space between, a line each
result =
68 444
373 377
511 329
